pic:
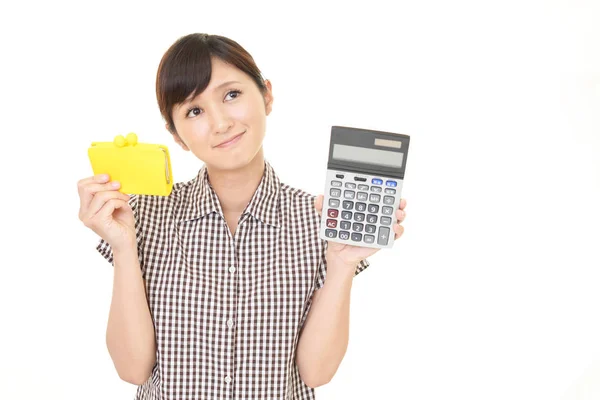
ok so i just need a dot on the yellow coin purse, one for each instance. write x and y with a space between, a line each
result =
141 168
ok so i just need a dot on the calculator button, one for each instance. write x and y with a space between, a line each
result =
341 176
357 237
374 198
377 181
391 183
370 228
349 194
346 215
331 223
362 196
330 233
384 234
375 189
360 179
389 200
347 205
361 206
363 187
372 219
335 192
336 183
390 191
369 239
331 213
359 217
356 227
386 221
373 208
344 235
345 225
334 203
387 210
350 185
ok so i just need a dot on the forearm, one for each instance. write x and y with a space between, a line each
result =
130 332
324 338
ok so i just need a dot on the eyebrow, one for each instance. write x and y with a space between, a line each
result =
187 101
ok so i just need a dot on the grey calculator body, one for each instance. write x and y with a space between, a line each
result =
365 172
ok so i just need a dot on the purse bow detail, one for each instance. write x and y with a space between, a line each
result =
130 140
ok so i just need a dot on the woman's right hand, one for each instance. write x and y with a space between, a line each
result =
106 211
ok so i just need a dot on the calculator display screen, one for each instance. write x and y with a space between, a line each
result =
368 156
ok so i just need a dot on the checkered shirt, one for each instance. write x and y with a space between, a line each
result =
227 310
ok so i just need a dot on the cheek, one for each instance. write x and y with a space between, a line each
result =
248 111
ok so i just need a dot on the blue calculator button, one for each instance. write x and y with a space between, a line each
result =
376 181
391 183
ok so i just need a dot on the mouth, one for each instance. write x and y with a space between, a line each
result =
231 141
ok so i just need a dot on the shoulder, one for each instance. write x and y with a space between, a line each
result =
297 201
295 194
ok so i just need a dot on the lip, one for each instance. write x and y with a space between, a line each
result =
231 141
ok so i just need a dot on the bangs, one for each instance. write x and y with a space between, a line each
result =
186 73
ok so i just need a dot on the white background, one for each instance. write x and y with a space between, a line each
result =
492 292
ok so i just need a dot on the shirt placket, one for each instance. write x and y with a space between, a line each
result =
232 294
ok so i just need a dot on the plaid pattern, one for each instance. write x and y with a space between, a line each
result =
227 311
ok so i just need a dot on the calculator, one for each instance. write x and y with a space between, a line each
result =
364 179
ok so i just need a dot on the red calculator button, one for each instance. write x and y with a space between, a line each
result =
332 213
331 223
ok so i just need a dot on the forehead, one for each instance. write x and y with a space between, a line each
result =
222 73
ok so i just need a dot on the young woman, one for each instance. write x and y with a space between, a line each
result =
219 288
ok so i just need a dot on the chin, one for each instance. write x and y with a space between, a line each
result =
234 161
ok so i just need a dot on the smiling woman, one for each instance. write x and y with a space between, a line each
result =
209 92
220 288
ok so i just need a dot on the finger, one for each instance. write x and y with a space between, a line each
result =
398 231
109 207
99 199
400 215
91 189
88 186
319 203
402 204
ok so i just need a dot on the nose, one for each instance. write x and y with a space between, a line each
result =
222 121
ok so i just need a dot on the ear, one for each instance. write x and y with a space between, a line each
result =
177 139
268 96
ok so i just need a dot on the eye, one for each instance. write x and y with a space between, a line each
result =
193 112
236 92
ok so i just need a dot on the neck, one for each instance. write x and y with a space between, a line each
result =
235 188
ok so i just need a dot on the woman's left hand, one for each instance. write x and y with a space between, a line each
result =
351 255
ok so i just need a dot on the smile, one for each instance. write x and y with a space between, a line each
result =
232 141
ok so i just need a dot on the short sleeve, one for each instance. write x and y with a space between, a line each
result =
104 248
322 271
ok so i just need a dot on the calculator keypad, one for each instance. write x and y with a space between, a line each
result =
361 212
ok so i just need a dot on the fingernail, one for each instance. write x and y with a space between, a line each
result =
103 177
115 184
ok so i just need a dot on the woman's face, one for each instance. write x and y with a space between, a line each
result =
231 105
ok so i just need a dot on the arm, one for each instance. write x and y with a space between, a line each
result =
324 337
130 332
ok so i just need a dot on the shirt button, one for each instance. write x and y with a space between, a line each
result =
227 379
230 323
232 269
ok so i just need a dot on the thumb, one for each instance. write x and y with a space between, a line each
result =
319 204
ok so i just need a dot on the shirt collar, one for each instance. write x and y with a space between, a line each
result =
202 200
